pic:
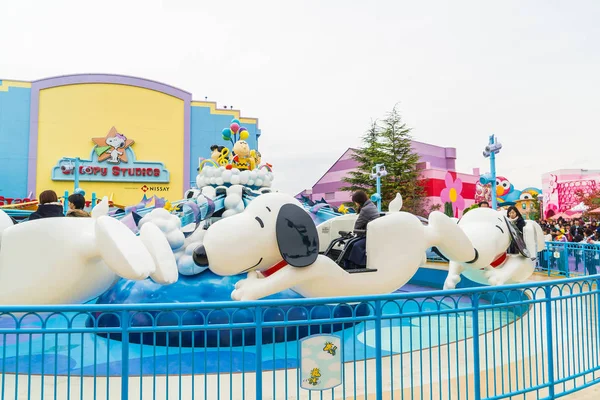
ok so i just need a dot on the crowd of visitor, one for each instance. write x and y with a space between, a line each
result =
574 231
581 238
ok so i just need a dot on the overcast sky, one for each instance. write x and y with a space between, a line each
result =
316 72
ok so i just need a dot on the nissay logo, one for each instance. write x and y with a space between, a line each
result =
155 188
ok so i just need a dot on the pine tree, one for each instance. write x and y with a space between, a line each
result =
389 143
367 156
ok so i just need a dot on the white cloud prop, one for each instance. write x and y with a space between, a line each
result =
257 178
168 223
182 247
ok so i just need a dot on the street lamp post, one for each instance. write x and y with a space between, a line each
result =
490 151
378 172
76 160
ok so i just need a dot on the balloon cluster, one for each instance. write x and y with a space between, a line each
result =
238 132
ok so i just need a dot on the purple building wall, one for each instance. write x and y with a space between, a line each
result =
330 184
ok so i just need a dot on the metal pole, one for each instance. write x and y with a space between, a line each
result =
379 193
66 203
76 178
378 356
476 349
493 168
125 355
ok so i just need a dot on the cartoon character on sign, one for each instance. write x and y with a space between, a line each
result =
116 143
112 147
330 348
315 374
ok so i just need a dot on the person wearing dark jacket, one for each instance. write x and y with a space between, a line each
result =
367 212
76 206
49 206
517 221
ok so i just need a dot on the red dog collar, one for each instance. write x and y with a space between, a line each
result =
274 268
499 260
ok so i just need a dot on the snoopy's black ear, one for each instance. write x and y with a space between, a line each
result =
517 239
297 236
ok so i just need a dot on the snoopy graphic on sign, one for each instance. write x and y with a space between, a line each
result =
116 142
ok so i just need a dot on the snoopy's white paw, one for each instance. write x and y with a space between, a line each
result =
248 289
165 271
495 277
451 281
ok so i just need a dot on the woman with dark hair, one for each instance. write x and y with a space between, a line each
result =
516 220
49 206
367 212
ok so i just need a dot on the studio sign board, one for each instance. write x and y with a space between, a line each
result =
112 160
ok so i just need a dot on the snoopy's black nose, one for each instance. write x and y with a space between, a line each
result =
200 257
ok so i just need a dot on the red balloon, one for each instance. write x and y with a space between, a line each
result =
234 127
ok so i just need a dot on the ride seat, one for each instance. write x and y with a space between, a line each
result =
333 253
360 234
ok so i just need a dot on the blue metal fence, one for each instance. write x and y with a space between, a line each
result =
569 259
485 343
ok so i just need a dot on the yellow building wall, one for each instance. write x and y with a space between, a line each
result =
70 116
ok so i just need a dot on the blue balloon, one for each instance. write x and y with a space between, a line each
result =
226 133
235 121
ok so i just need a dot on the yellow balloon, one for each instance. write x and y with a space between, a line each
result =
244 135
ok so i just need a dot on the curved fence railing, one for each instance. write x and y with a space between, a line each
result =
541 340
570 259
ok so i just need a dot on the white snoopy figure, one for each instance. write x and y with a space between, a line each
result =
491 233
276 242
74 260
116 142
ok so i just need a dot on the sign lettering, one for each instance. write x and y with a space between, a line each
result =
113 149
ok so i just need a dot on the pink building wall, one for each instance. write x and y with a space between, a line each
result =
434 162
559 188
435 183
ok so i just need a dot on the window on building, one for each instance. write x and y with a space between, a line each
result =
330 196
